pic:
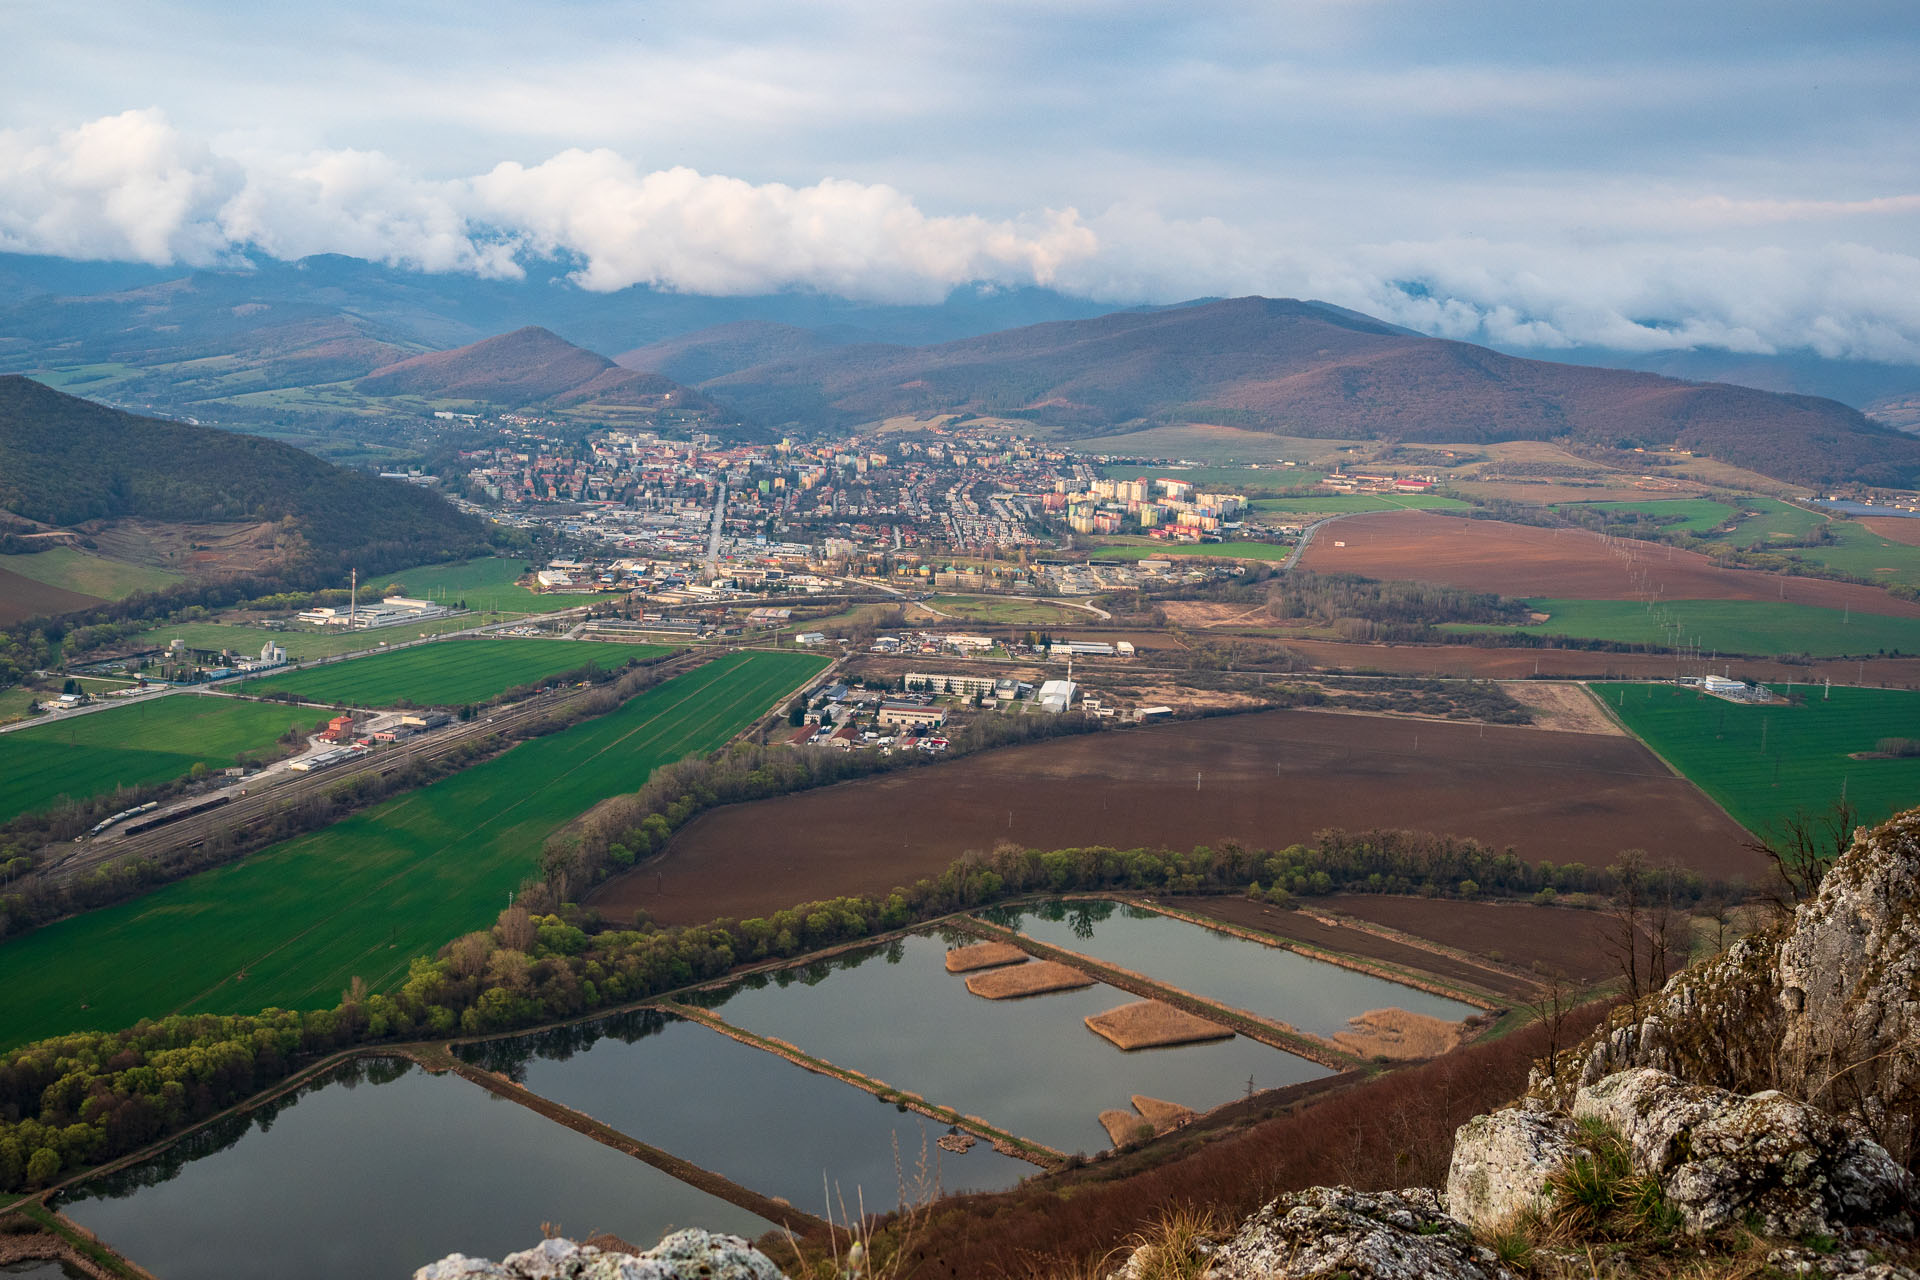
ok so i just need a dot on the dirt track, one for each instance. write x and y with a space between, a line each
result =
1520 560
1266 779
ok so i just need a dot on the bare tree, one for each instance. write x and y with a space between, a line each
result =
1802 846
1627 920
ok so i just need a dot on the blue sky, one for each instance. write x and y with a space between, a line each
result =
1633 175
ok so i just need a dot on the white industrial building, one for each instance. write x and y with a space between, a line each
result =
1057 695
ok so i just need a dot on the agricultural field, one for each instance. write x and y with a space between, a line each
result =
1697 516
1771 519
1246 480
90 575
1760 627
1762 763
1859 551
22 597
1155 550
483 584
1265 779
1008 610
144 742
293 925
1349 503
302 645
450 673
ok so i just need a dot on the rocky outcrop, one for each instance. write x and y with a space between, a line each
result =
1325 1232
684 1255
1501 1163
1721 1158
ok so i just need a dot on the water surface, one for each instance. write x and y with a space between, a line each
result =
377 1170
1029 1066
1313 995
743 1112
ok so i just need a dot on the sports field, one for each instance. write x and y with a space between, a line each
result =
1698 516
483 584
1763 762
450 673
143 742
1758 627
291 926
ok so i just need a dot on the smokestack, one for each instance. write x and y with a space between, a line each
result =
353 596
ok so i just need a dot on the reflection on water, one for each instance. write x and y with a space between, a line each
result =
375 1170
1312 995
741 1111
1029 1066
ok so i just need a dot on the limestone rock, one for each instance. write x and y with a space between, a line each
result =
1501 1163
1721 1157
684 1255
1362 1235
1849 985
1855 1264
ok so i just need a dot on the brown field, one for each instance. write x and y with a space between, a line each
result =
1034 978
1573 941
1520 560
1517 663
1894 528
1149 1024
1399 1036
1561 706
983 955
21 597
1266 779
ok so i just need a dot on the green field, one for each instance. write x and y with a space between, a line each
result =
483 584
291 926
1010 610
1861 552
1697 516
90 575
1757 627
1761 763
301 645
1157 550
1348 503
15 701
1266 479
449 673
145 742
1774 518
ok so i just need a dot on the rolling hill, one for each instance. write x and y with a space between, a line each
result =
1304 368
67 462
724 349
528 367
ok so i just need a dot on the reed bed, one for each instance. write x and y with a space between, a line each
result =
1150 1024
1035 978
983 955
1399 1036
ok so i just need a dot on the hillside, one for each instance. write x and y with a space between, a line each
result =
530 366
1302 368
724 349
65 461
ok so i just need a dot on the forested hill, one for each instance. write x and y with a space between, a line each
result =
1307 369
65 461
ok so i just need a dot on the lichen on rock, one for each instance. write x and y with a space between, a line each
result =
1325 1232
1501 1164
684 1255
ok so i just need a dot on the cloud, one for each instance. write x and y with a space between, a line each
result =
1554 265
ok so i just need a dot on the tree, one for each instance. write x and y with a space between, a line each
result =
43 1166
1802 846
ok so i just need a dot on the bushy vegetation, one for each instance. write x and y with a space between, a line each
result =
1365 609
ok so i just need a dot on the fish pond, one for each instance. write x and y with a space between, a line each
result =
743 1112
1030 1066
375 1170
1311 995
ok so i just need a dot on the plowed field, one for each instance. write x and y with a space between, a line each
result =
1266 779
1521 560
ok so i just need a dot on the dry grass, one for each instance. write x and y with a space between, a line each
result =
1399 1036
1161 1114
1035 978
1149 1024
1124 1126
983 955
1149 1118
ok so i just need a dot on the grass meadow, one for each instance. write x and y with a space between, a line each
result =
1697 516
483 584
90 575
144 742
293 925
1348 503
448 674
1761 763
302 645
1759 628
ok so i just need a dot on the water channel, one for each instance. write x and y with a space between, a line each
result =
1312 995
1029 1066
376 1170
743 1112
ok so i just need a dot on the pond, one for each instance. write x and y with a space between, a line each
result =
375 1170
743 1112
1029 1066
1312 995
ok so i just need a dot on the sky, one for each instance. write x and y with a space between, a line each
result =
1637 176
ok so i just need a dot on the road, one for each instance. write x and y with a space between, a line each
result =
719 520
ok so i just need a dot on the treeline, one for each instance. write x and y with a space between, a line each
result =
1367 609
86 1097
